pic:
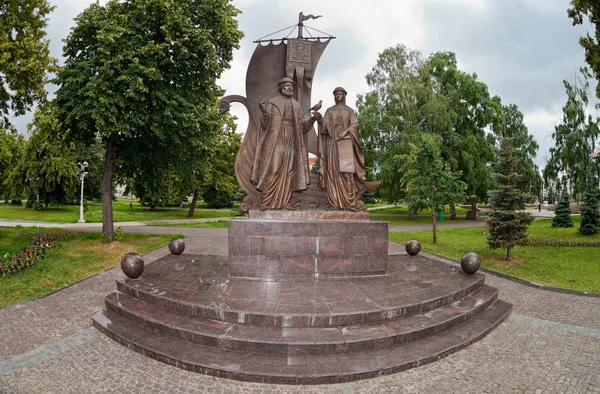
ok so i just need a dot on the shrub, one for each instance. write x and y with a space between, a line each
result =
31 199
119 234
217 199
589 213
562 212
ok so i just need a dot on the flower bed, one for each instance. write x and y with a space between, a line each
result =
542 241
34 252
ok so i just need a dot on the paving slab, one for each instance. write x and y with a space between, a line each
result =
551 343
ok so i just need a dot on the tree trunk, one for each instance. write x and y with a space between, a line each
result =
433 215
473 211
508 254
411 214
452 211
108 229
193 204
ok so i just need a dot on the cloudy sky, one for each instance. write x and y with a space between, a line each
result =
522 49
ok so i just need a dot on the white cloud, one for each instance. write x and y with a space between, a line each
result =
543 117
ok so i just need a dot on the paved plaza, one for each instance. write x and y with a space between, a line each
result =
550 344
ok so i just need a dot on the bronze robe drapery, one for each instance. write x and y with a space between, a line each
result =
340 123
281 158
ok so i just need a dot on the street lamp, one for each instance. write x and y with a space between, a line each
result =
82 173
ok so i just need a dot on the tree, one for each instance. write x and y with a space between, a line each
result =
142 75
11 149
467 147
589 212
48 164
390 113
506 225
411 95
525 148
590 8
562 217
575 139
24 55
220 184
429 180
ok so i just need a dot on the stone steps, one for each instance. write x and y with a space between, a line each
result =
300 340
313 313
299 369
188 311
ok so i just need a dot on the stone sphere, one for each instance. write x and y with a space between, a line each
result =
470 263
413 247
176 246
132 265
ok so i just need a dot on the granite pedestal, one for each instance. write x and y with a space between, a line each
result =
307 245
305 297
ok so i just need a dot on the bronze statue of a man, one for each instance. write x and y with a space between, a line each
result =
341 159
281 159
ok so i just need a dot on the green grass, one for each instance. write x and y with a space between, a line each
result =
214 224
403 210
12 240
543 228
121 213
73 260
403 220
574 268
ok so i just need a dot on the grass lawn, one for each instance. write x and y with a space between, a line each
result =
574 268
403 220
121 212
12 240
403 210
71 261
215 224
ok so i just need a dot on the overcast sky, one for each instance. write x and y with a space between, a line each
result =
522 49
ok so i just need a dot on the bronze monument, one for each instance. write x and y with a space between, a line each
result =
281 158
341 159
273 59
305 295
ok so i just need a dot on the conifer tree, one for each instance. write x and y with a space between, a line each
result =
506 225
589 213
562 213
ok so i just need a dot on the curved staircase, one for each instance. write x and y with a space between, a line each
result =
188 312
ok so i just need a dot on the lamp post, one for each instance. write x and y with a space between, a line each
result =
82 173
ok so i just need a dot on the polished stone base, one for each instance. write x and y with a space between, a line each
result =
307 248
187 311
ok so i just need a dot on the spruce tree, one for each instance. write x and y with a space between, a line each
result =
506 225
589 213
562 213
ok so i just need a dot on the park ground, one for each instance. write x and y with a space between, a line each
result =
549 344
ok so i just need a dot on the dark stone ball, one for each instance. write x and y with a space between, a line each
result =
132 265
470 263
413 247
176 246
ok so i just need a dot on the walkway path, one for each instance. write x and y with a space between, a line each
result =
551 343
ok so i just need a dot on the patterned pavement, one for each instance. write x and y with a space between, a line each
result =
550 344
